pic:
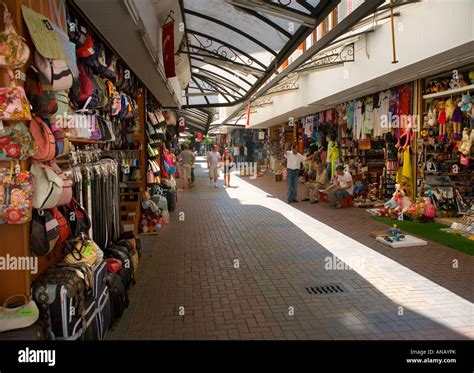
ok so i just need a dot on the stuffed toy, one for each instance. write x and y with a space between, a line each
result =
471 76
399 201
430 209
466 142
465 103
457 120
442 119
449 106
431 118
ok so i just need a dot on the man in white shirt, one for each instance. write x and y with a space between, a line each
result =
293 163
344 186
213 159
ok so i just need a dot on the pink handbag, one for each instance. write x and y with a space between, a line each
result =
44 139
54 74
464 160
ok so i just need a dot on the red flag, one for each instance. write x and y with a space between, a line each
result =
248 114
167 40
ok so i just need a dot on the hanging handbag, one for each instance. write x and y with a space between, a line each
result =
44 233
16 196
55 75
63 226
16 142
365 144
150 177
77 217
14 52
66 194
13 104
44 139
48 186
18 315
80 250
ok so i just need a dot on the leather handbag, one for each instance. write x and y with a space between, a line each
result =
80 250
16 196
14 52
48 186
44 139
77 217
17 315
13 104
16 142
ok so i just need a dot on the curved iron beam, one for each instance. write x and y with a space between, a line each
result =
219 76
230 82
222 68
216 87
228 46
200 88
223 90
230 27
272 24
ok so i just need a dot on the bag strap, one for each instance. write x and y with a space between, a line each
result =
7 301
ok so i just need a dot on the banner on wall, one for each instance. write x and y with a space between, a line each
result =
167 40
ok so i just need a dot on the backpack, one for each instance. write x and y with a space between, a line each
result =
44 233
101 91
64 230
83 88
55 75
43 102
77 217
118 295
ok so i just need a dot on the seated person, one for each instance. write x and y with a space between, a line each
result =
343 186
318 181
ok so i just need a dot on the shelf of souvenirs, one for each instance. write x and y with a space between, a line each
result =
449 92
451 174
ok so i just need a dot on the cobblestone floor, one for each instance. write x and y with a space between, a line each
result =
240 262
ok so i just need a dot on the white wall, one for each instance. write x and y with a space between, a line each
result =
423 32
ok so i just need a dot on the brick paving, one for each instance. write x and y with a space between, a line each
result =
237 267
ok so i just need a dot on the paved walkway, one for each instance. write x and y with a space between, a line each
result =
240 263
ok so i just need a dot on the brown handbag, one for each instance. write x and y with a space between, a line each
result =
44 140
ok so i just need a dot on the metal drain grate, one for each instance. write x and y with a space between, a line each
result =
325 289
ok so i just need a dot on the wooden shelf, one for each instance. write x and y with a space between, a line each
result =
79 140
449 92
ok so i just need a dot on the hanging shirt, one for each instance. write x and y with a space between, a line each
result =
293 161
384 100
358 120
350 109
369 115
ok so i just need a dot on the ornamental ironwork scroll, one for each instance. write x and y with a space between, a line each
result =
332 57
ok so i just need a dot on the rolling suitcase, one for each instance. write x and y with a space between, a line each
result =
64 298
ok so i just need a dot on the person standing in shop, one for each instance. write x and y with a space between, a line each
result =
187 158
228 164
293 163
213 160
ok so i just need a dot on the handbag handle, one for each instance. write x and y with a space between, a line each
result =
6 303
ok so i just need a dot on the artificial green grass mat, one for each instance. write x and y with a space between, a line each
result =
432 232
